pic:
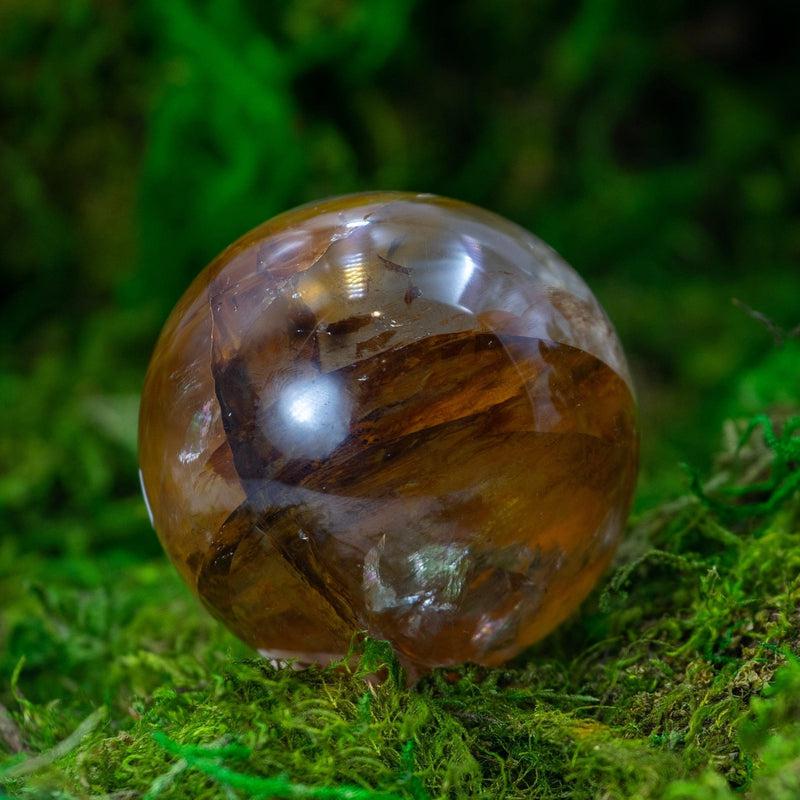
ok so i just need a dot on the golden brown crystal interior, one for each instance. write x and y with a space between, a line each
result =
392 413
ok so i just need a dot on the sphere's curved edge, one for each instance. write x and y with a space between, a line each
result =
395 404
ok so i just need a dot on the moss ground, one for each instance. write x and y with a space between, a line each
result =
679 679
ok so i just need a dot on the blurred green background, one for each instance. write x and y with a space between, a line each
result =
655 145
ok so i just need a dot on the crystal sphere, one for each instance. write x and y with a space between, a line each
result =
392 413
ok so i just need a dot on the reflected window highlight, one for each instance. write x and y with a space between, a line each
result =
354 273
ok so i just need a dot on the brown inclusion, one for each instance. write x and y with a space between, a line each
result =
440 429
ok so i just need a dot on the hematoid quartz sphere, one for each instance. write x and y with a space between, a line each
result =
392 413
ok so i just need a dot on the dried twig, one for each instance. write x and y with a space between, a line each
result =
61 749
9 732
778 333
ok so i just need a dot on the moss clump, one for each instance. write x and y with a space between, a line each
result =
678 680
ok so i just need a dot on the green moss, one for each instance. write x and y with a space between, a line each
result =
678 679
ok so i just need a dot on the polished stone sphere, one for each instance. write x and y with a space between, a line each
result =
392 413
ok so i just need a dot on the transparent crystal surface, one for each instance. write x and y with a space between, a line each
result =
390 413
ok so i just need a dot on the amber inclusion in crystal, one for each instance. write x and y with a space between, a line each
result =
391 413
